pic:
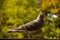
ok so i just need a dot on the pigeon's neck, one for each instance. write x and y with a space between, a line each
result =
40 17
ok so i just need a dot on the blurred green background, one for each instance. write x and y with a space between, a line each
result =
14 13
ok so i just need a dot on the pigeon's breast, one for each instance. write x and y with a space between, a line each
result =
32 26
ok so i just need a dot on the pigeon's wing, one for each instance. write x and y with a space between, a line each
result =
23 28
29 26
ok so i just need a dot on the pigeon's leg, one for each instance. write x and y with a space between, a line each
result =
29 36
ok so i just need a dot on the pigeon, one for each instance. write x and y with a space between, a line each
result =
30 27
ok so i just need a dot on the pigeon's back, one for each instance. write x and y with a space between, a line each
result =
30 26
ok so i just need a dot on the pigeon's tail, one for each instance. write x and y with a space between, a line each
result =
15 30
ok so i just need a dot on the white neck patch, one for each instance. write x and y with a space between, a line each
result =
36 20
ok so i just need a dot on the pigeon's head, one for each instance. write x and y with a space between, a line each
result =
40 16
